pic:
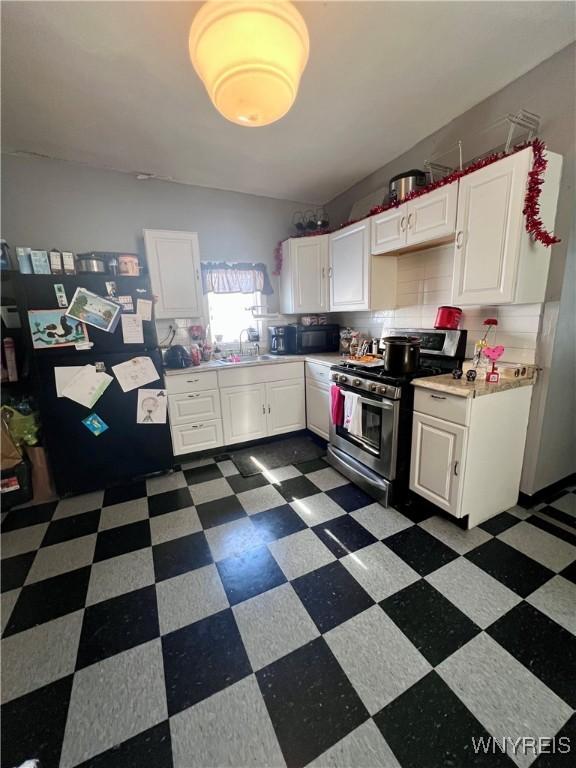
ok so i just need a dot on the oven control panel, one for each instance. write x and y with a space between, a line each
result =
366 385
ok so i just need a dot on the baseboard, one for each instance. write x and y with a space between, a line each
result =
546 494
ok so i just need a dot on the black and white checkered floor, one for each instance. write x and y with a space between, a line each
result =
206 619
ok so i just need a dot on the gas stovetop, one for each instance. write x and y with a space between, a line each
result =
440 352
376 379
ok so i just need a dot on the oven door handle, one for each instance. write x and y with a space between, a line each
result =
385 405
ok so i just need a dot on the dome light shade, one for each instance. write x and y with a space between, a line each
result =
250 57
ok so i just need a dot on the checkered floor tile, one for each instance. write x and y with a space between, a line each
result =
285 619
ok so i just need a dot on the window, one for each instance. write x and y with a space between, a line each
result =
230 313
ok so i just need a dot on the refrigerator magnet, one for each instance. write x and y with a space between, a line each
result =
94 310
51 328
95 424
61 297
127 303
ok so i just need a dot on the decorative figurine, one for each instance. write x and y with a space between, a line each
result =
456 373
471 375
493 354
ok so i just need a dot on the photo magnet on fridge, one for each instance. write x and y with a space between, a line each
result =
61 297
51 328
95 424
94 310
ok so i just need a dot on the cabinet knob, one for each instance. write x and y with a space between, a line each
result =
403 224
456 463
409 223
459 239
438 397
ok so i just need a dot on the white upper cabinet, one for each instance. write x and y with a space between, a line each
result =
426 219
350 267
495 261
304 277
174 266
389 230
432 216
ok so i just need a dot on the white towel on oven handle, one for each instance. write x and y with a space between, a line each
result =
353 413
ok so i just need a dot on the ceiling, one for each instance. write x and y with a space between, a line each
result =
111 85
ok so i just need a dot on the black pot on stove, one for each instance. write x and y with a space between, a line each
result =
401 354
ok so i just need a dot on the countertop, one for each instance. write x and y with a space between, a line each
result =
463 388
323 358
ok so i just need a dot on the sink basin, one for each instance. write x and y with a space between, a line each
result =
249 359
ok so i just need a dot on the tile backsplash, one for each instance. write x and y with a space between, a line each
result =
424 284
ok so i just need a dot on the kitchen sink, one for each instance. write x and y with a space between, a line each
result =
249 359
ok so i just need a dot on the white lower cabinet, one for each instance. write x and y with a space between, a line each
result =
188 438
318 407
194 406
286 406
194 411
258 410
467 452
437 461
244 413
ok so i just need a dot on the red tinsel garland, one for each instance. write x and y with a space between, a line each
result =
534 225
531 210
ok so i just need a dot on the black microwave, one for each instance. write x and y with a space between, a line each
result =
308 339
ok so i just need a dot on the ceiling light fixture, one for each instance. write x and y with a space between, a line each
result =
250 57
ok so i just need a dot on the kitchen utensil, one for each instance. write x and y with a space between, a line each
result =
448 318
404 183
401 354
87 263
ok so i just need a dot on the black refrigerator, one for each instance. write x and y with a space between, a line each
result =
81 461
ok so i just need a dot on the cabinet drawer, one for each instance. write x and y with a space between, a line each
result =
191 381
188 407
443 406
260 374
188 438
318 372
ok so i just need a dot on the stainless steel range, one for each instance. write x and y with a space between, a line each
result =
378 458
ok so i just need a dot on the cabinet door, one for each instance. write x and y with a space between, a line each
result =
318 408
310 273
190 407
349 251
433 215
437 462
174 266
388 230
286 406
189 438
489 231
244 413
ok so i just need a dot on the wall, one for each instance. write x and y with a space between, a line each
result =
53 204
